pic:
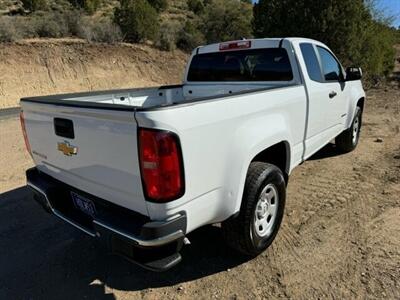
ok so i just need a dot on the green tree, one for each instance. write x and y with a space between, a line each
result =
346 26
377 54
137 19
225 20
333 21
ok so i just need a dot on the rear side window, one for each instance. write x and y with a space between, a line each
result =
270 64
330 66
311 60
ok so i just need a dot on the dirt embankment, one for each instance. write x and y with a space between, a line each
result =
40 67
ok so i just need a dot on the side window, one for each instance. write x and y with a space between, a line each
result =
311 60
330 66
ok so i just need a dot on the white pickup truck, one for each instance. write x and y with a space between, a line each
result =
142 168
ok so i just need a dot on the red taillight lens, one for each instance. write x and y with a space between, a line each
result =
22 119
161 165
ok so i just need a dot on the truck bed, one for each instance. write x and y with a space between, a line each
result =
147 98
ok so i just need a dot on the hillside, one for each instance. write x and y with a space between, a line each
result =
47 66
95 21
10 7
177 9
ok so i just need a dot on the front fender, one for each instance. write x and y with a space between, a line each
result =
356 93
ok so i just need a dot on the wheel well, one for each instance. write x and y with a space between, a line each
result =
278 155
360 103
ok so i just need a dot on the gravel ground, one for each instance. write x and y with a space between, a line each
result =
340 236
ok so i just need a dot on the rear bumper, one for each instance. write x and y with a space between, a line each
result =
154 245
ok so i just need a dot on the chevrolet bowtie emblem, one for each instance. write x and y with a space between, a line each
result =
67 149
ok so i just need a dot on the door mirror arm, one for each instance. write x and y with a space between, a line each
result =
342 77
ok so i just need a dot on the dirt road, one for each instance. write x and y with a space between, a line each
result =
340 236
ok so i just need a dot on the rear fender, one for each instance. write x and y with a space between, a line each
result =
251 139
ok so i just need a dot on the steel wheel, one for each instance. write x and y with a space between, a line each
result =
261 212
347 141
266 211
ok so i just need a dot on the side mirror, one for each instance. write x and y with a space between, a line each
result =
353 73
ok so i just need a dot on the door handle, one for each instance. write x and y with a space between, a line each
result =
332 94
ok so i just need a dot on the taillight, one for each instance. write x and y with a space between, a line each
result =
161 165
22 119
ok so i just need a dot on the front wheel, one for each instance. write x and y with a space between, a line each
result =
348 140
261 212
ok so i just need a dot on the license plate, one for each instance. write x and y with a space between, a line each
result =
83 204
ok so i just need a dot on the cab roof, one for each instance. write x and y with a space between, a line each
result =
251 44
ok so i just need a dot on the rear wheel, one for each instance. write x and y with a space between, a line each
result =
261 212
348 140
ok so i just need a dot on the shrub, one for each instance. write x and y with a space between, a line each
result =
47 24
56 25
24 27
224 20
99 30
216 20
34 5
72 19
137 19
190 37
159 5
196 6
51 25
7 30
168 35
90 6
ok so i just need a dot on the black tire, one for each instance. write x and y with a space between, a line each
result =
346 142
240 232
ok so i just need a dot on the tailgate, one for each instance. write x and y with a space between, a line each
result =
94 150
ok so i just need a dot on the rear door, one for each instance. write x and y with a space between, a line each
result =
94 150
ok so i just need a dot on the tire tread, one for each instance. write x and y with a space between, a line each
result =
233 228
344 141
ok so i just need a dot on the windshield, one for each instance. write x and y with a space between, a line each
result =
271 64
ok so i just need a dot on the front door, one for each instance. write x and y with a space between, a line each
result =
334 91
